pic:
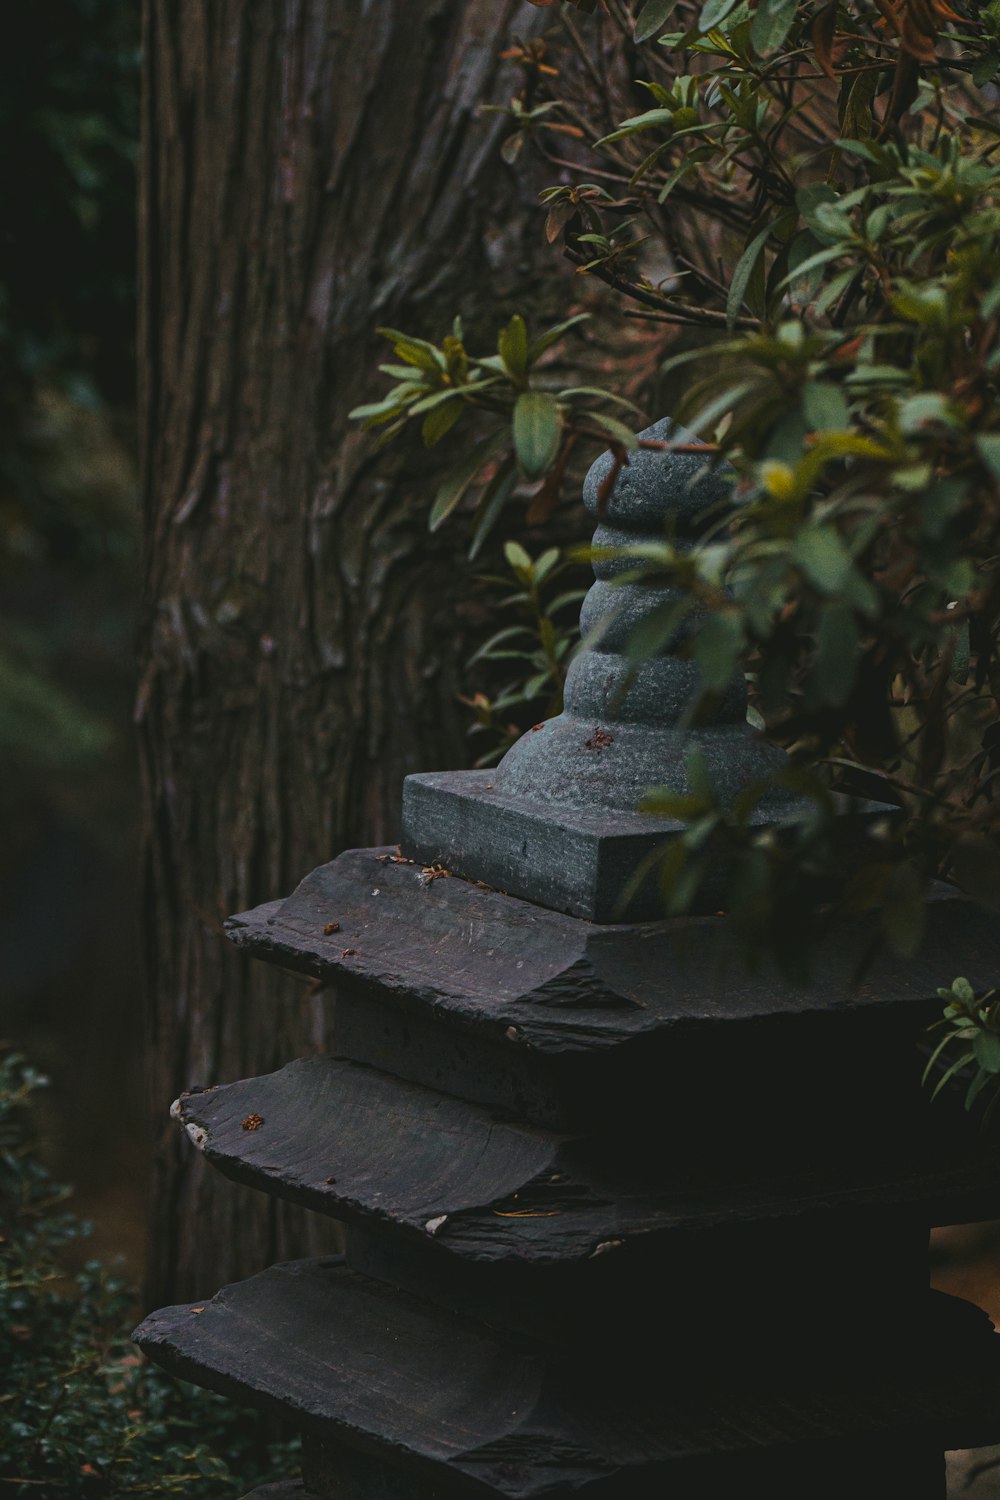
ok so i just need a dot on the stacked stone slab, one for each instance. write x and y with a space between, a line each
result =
621 1218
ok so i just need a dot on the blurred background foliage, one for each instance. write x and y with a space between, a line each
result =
69 110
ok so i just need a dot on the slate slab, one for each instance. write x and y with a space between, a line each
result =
352 1361
490 961
371 1149
582 1027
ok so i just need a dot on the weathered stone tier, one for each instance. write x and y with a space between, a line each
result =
372 1150
450 1401
586 1028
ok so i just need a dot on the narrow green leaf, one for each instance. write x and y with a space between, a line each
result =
718 649
648 120
440 421
771 24
652 18
536 432
491 503
956 1067
945 1041
414 351
517 558
741 275
457 482
713 12
613 428
597 391
512 346
987 1050
552 335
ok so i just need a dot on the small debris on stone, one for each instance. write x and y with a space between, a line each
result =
512 1034
599 740
433 1225
399 858
197 1309
536 727
330 1181
331 927
348 952
430 873
376 891
605 1246
253 1122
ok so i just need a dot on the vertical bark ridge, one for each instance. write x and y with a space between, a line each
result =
309 169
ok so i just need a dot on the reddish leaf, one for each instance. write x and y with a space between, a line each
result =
824 33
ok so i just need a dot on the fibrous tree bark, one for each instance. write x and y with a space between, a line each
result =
311 169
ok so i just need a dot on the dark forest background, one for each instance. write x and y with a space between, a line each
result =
69 992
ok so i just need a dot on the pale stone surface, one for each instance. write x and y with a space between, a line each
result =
973 1474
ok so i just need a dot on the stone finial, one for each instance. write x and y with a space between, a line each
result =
558 821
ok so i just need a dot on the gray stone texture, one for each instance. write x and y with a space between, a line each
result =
559 821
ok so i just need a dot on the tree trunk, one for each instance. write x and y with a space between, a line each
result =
311 168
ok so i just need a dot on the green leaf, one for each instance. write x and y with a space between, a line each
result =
713 12
823 557
536 432
976 1087
512 346
988 448
984 69
375 411
923 408
517 558
834 289
652 17
741 275
825 407
597 391
552 335
488 648
636 123
417 352
960 1062
718 649
699 777
491 503
987 1050
440 421
457 482
545 564
771 24
614 428
945 1041
680 805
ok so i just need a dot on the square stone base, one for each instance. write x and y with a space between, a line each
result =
587 864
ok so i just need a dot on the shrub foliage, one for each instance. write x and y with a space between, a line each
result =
81 1413
802 198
